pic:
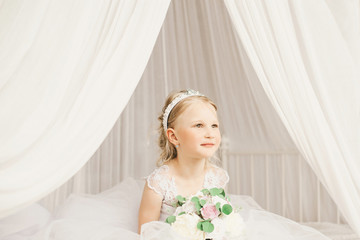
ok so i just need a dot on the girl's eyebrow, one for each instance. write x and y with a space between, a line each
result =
196 121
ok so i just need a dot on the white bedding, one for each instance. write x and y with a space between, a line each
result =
28 221
334 231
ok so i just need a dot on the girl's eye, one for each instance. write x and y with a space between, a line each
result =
198 125
215 126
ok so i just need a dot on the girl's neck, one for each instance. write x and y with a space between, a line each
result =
189 168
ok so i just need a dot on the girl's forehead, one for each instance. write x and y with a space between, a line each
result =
199 109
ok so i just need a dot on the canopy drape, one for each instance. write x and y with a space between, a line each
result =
66 66
196 49
308 68
201 33
68 69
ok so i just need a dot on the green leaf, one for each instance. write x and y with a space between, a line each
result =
181 213
195 199
170 219
218 206
214 191
208 227
227 209
199 226
222 192
197 206
197 203
180 198
202 202
205 191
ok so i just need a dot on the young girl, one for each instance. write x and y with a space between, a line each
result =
189 137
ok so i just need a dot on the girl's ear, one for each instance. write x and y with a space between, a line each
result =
170 133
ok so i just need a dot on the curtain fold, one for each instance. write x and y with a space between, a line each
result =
201 33
67 71
308 68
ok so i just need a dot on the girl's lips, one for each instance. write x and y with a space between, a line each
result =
207 144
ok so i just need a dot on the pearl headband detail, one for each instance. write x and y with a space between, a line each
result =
188 93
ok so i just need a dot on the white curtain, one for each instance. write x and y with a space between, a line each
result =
197 49
68 68
307 62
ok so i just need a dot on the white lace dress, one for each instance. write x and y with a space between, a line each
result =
164 184
113 215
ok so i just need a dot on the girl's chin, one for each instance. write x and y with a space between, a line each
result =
206 156
203 154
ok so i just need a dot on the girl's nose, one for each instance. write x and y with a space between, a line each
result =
209 132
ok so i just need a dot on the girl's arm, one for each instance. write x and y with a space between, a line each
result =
150 207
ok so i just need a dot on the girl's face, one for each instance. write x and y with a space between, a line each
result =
197 131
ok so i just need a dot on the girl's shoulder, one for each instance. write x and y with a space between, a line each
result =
216 176
216 169
160 173
159 179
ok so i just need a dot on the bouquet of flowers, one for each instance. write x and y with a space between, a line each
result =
207 215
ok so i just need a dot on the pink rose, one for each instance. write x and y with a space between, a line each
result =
209 211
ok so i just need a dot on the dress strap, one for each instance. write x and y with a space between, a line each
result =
158 180
216 177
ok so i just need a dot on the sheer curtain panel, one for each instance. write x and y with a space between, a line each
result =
308 66
68 69
196 49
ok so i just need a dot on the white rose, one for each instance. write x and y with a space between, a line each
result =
178 210
234 225
219 229
188 207
186 225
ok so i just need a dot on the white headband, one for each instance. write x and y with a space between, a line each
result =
182 96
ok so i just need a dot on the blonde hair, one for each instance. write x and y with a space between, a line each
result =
168 150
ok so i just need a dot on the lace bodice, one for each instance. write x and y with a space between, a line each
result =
163 183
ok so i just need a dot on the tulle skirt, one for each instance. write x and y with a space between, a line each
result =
113 214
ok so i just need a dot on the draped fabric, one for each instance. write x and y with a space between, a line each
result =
196 49
309 69
68 69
